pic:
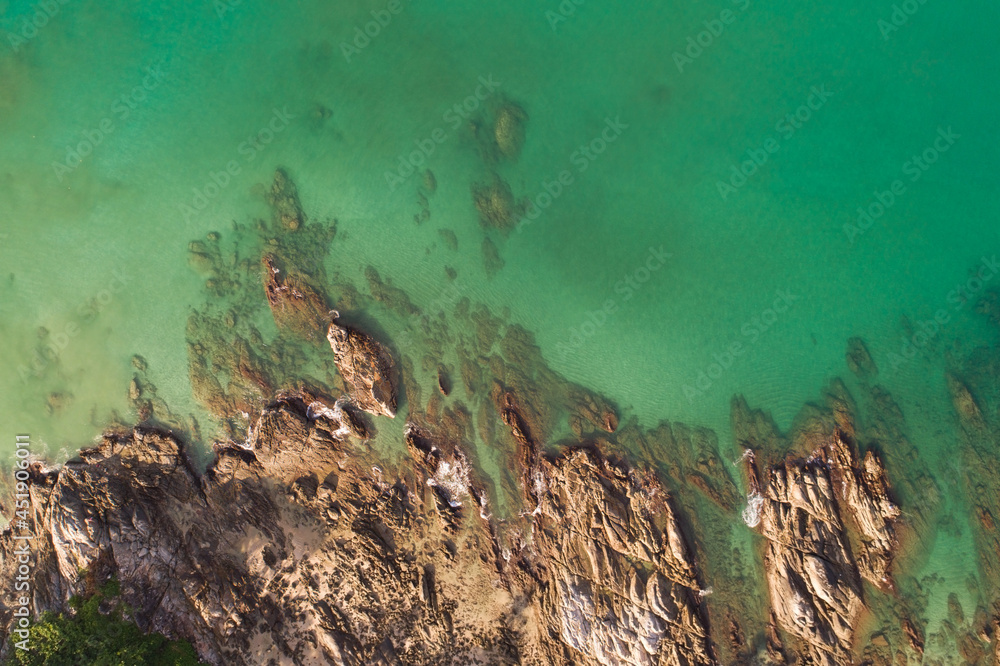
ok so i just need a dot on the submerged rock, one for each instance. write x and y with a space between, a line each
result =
284 200
493 263
496 204
294 303
389 295
450 239
429 181
508 129
859 360
367 367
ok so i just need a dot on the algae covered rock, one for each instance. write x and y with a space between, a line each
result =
294 303
496 204
284 200
508 129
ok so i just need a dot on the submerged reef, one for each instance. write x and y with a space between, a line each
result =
496 204
509 129
499 131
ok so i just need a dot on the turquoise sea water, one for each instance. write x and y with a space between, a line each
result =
95 250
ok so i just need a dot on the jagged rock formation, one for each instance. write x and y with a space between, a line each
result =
367 368
828 524
292 550
620 585
623 588
301 547
864 490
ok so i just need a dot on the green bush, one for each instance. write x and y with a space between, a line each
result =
88 637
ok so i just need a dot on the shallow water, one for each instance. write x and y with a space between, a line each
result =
95 251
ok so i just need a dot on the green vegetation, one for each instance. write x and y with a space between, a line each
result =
88 636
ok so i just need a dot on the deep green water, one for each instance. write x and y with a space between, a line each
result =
97 254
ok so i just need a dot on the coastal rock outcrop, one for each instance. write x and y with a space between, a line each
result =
828 524
294 548
300 546
621 584
367 367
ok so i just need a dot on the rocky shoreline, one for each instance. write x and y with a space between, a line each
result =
301 545
511 517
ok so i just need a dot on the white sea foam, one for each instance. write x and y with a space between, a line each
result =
754 507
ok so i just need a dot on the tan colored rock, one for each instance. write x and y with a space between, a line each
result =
809 511
294 549
864 490
297 546
623 586
367 367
